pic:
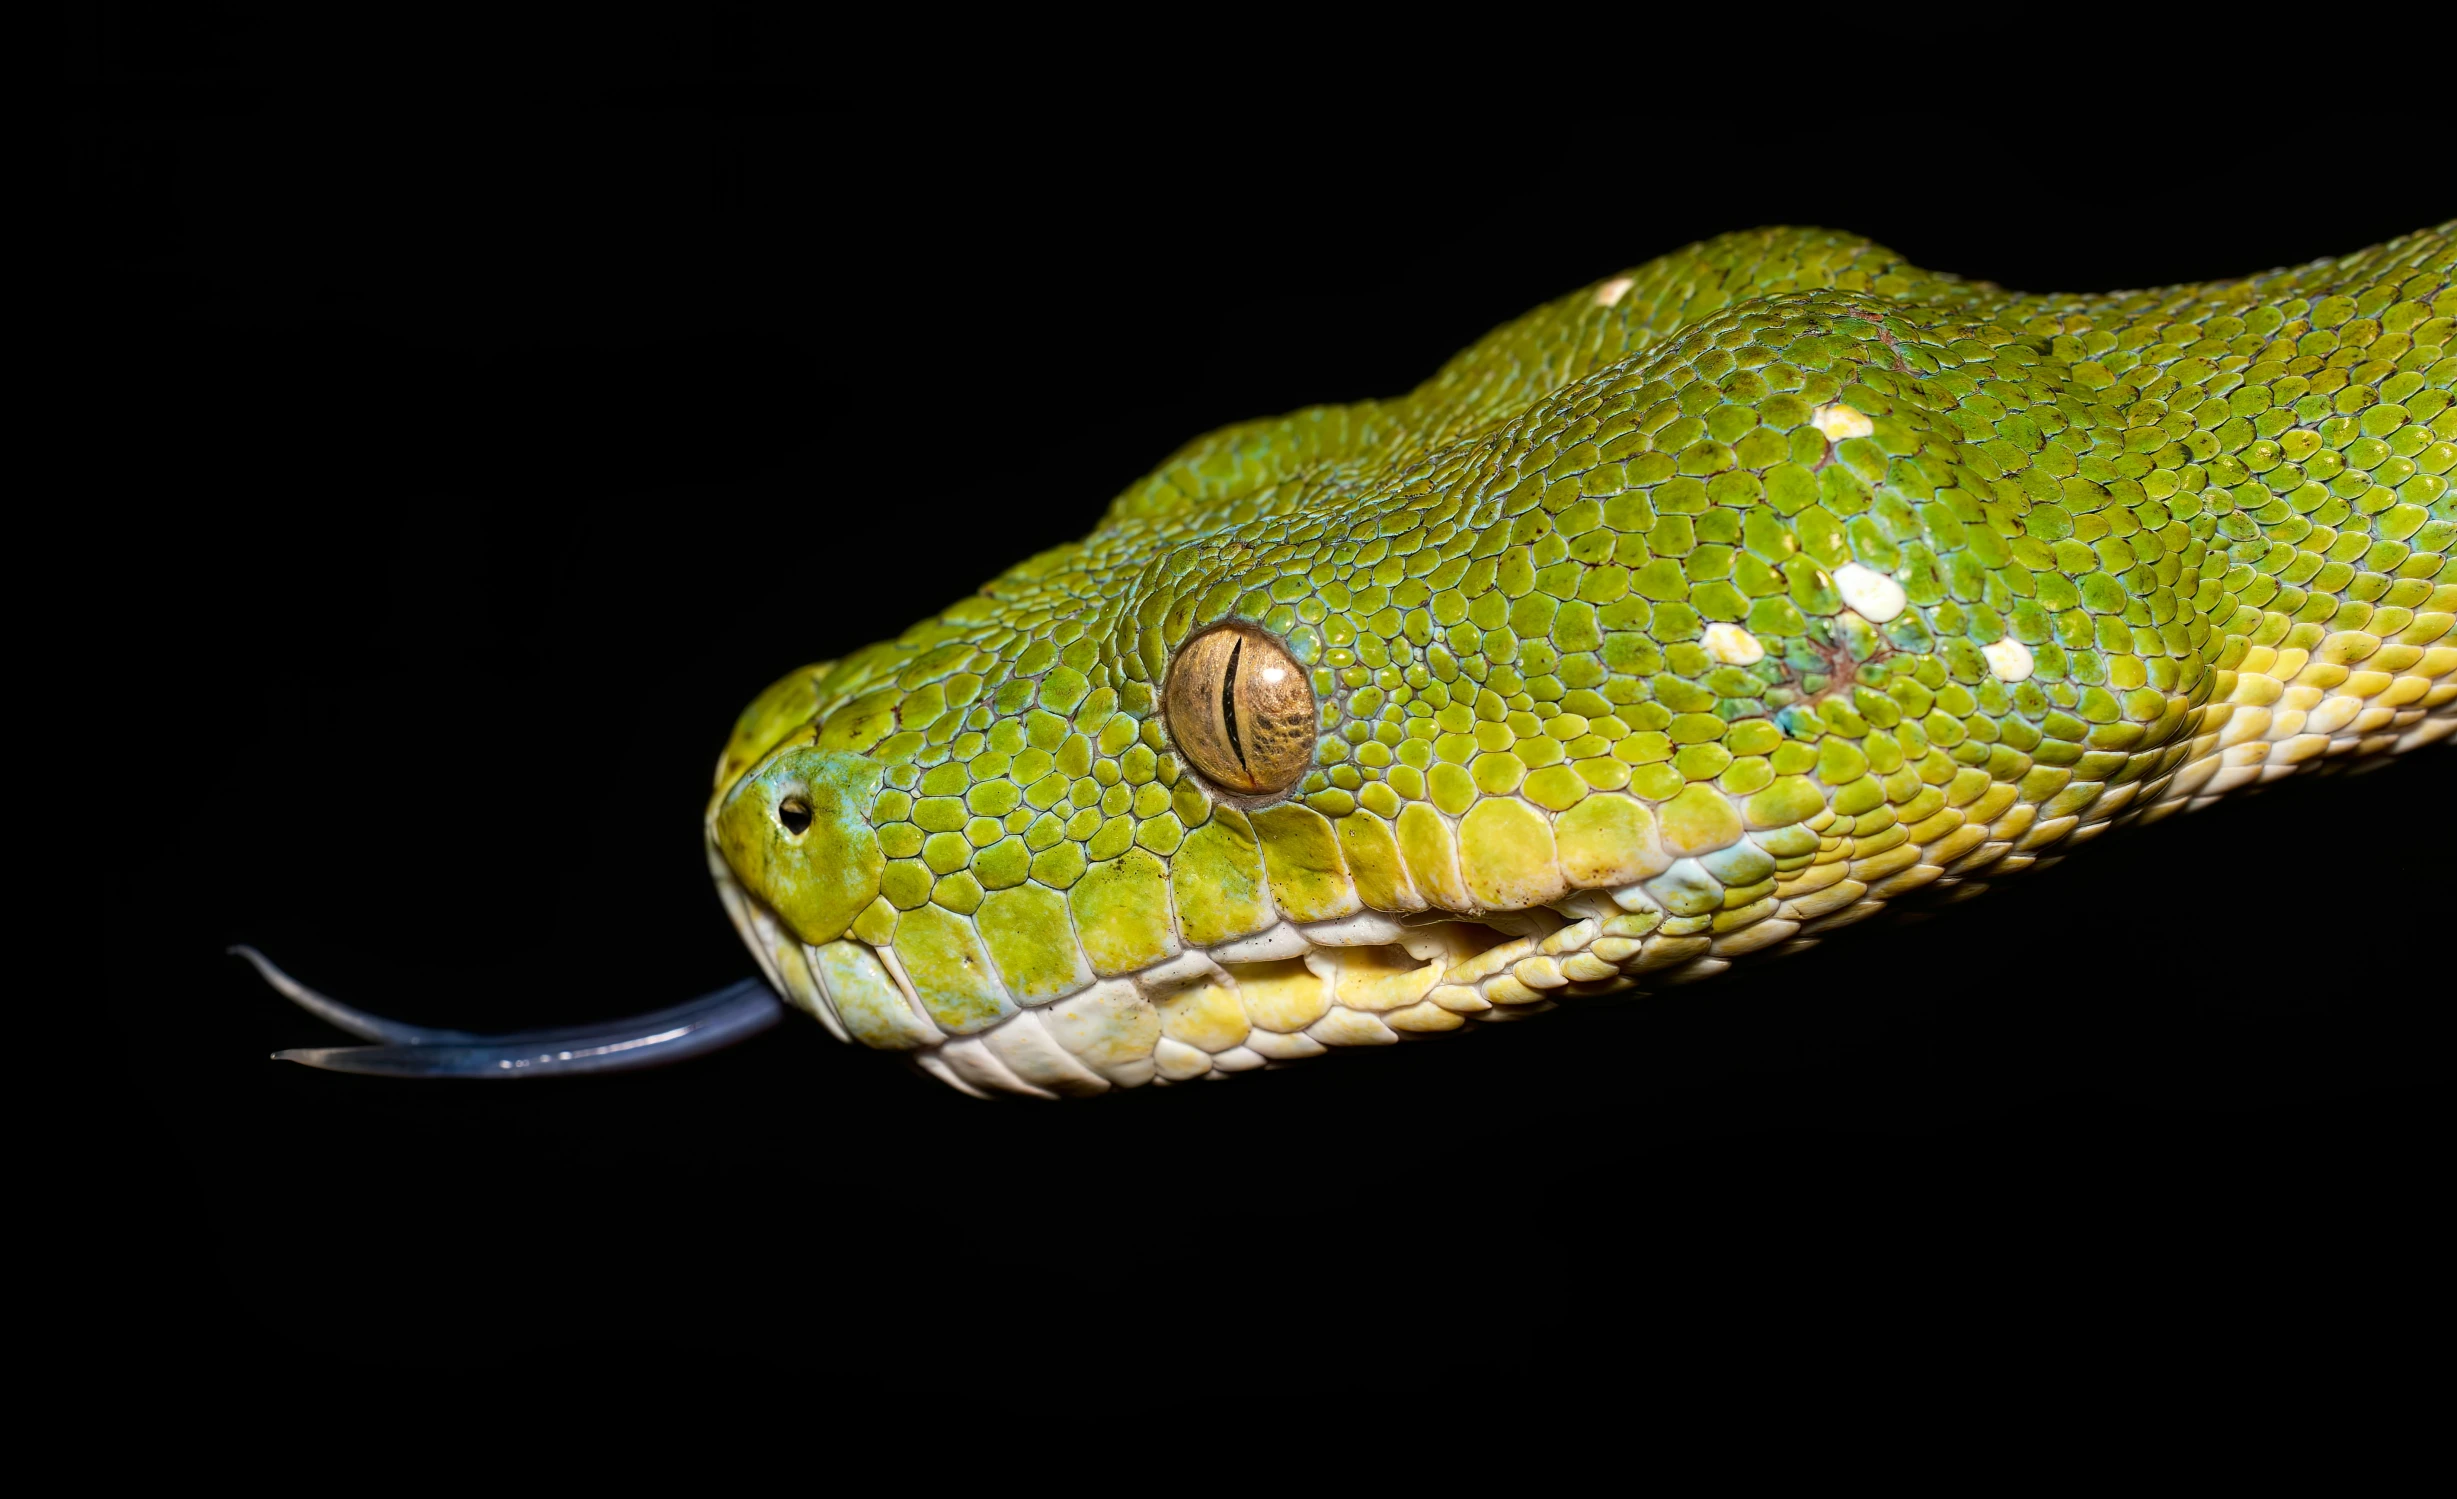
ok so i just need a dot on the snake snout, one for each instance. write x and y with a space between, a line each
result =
796 832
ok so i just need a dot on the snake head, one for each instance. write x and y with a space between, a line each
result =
1060 887
1689 616
1707 608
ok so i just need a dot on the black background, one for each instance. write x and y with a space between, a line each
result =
498 407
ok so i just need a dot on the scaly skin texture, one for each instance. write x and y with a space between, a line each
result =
1707 607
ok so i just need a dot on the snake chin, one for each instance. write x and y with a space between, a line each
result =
1288 992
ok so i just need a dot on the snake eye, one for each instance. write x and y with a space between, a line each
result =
1240 708
793 814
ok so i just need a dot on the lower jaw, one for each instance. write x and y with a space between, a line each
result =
1299 990
1280 995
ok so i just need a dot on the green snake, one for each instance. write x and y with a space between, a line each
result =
1708 608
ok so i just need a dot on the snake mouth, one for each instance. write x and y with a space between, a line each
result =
1290 991
783 958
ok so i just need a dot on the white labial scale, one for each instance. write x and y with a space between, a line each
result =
1542 972
978 1065
1110 1028
936 1065
1276 1047
1504 1013
759 934
729 894
1346 1027
854 977
808 989
1876 597
1184 971
1179 1062
1235 1059
1210 1018
790 972
1025 1045
819 991
1587 968
828 1015
904 985
1423 1016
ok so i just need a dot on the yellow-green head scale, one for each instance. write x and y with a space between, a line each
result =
1721 601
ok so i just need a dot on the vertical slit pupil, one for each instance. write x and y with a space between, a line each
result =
1228 705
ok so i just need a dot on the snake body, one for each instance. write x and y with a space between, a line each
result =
1712 606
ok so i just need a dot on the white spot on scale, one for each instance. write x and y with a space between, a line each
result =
1839 421
1733 646
1611 292
2009 659
1877 597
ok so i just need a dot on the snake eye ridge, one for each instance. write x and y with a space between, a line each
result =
1240 708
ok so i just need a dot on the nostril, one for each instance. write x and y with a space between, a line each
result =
793 814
